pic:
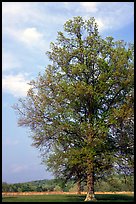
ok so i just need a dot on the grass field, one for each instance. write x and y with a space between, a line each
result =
68 198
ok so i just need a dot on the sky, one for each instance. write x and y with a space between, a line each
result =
27 30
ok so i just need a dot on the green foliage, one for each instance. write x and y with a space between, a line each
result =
5 187
84 97
73 188
57 188
111 183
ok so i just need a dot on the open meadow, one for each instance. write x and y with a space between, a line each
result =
101 197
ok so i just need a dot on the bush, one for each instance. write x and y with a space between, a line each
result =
73 188
57 188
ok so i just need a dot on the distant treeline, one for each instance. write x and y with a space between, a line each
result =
114 183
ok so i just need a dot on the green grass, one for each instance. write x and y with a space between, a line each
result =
69 198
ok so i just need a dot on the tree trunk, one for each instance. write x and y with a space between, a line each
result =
90 183
79 186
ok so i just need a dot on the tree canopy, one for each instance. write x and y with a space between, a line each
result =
80 109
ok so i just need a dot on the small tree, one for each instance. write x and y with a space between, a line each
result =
84 94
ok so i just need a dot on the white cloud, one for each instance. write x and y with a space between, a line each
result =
90 6
31 36
38 14
17 85
112 15
19 12
13 8
21 22
109 15
9 61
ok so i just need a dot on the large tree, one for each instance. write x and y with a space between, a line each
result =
83 95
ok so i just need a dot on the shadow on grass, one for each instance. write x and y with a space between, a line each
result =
114 198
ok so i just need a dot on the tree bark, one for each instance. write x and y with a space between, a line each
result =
79 186
90 183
